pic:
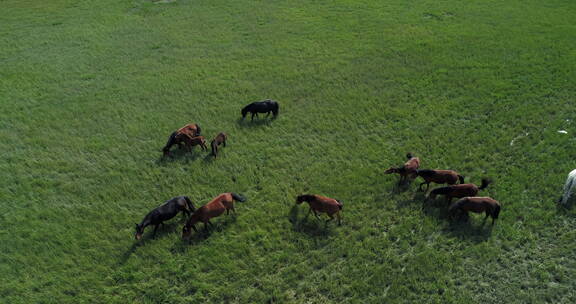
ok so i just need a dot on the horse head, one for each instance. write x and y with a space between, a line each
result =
139 231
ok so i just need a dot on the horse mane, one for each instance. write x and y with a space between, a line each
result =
409 155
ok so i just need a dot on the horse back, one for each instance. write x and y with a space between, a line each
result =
325 204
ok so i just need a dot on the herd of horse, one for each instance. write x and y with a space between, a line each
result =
190 136
466 193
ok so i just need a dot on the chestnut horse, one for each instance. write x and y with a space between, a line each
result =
163 213
409 169
215 208
459 191
322 204
266 106
191 130
449 177
194 141
476 205
220 139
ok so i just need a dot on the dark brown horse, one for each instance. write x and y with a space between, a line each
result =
163 213
322 204
220 139
191 142
191 130
409 169
439 177
215 208
459 191
476 205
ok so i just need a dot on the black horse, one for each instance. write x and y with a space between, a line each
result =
163 213
266 106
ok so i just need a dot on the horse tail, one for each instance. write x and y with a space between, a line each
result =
496 212
461 178
340 204
214 148
275 109
189 203
170 142
409 155
485 183
237 197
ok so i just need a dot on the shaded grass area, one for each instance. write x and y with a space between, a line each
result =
90 91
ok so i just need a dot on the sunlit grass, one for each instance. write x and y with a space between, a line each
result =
90 91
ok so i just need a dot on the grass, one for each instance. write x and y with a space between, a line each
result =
90 90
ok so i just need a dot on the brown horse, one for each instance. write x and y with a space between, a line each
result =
459 191
215 208
176 138
191 142
409 169
322 204
439 177
220 139
476 205
192 130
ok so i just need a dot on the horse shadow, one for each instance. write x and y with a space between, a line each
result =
401 186
198 237
181 155
258 122
466 230
309 224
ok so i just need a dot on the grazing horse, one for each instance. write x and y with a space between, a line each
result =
220 139
217 206
439 177
192 141
163 213
459 191
266 106
322 204
476 205
191 130
409 169
569 188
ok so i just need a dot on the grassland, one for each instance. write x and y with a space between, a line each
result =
90 90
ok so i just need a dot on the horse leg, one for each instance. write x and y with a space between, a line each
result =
339 217
194 227
224 143
315 214
420 187
427 187
155 228
331 217
251 119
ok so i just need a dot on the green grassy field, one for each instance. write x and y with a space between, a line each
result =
90 91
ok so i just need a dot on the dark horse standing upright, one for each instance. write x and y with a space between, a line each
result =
163 213
266 106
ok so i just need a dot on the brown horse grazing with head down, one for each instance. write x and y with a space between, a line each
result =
322 204
176 138
439 177
459 191
191 130
192 141
476 205
215 208
220 139
409 169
